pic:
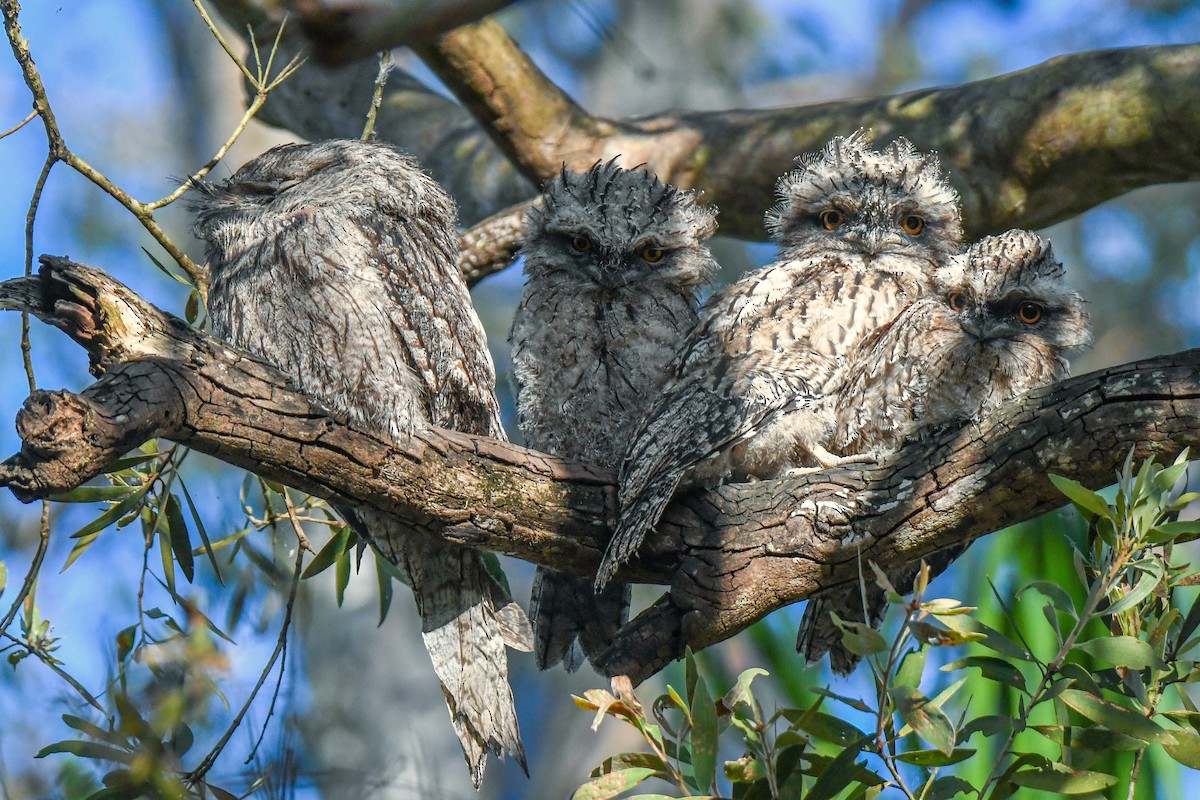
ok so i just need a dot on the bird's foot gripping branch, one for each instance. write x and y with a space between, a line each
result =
728 556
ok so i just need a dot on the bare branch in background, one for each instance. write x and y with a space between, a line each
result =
729 556
492 245
347 30
1024 149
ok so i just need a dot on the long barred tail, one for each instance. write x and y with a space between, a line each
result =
467 619
570 621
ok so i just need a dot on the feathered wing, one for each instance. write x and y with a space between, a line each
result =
696 421
467 617
748 367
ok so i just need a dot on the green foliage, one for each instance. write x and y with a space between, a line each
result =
168 664
1094 663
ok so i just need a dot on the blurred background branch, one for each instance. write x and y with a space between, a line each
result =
347 30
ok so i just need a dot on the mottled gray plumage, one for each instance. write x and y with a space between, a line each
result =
861 233
335 261
614 259
996 325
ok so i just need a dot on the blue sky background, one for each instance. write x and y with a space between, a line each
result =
145 112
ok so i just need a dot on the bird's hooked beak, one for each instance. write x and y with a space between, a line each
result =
975 323
612 272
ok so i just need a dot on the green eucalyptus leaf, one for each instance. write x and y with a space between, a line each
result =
992 668
928 721
935 758
337 545
839 772
83 749
741 694
1170 531
991 638
989 725
1092 738
824 726
93 494
1055 594
1140 591
1083 498
1184 747
857 705
911 668
860 638
1062 780
1122 651
1113 716
947 787
703 737
88 533
181 542
612 784
200 529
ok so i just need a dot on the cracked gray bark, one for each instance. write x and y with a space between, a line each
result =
728 556
1024 149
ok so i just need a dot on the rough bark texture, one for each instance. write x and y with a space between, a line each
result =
1025 149
729 556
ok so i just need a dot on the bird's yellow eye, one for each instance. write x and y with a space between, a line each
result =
832 219
958 302
581 244
913 224
652 254
1030 313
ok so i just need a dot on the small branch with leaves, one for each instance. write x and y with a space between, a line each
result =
143 211
1120 686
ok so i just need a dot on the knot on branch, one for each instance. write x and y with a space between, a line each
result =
51 426
52 422
111 322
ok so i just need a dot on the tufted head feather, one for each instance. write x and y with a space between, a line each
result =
613 215
999 273
875 190
285 181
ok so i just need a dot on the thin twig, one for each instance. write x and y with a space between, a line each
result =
19 125
212 27
144 212
291 514
200 174
49 662
209 760
385 69
39 555
1098 591
282 646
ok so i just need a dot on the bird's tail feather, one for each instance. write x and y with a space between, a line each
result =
467 619
570 621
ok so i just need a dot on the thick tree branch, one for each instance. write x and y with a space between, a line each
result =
1025 149
729 556
346 30
492 245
